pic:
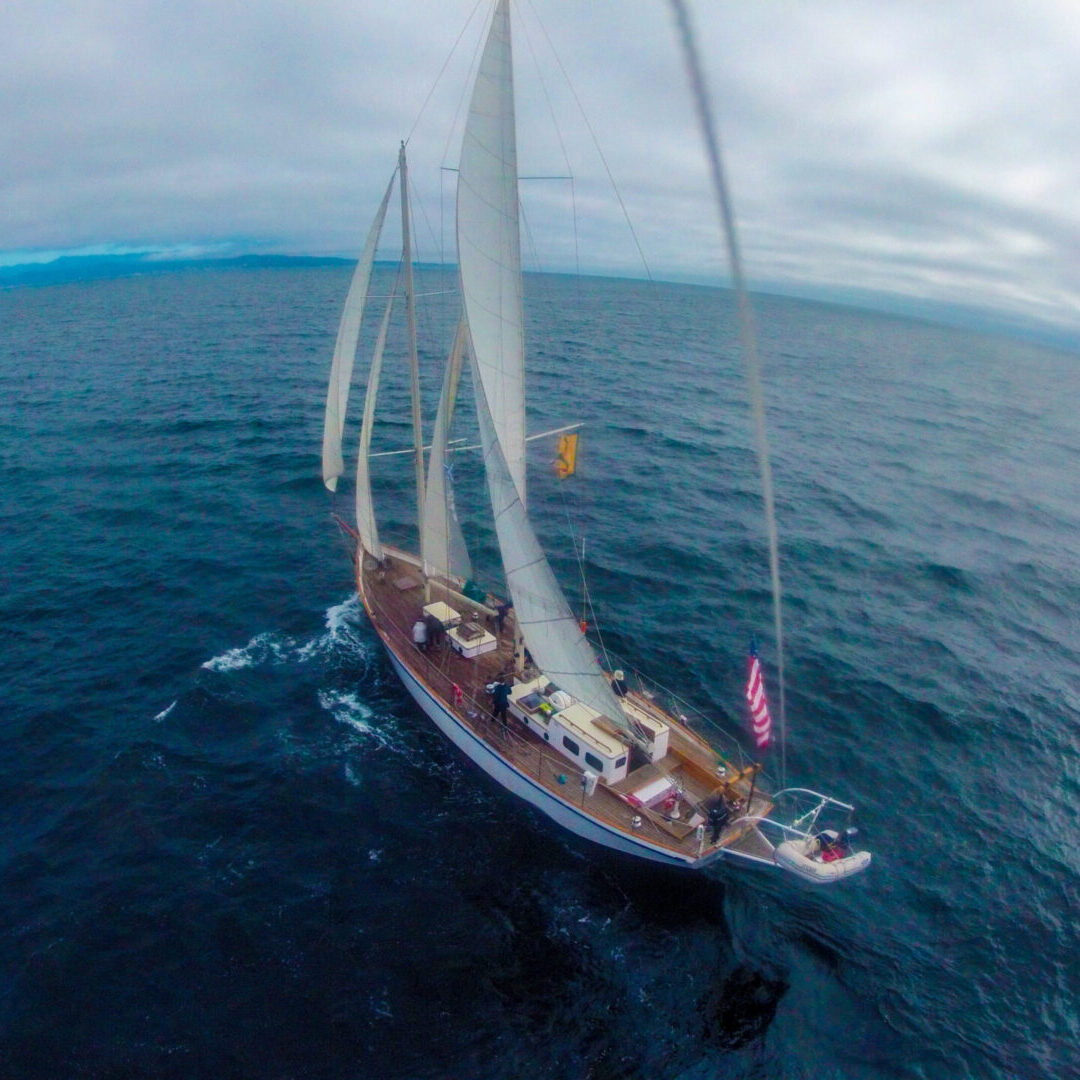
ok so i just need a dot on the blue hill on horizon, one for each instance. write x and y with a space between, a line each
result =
73 268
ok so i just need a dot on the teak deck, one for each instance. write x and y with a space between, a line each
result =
394 595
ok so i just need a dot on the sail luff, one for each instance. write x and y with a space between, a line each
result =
442 545
365 506
341 368
489 243
414 359
552 634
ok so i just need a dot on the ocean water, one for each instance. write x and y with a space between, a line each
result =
230 846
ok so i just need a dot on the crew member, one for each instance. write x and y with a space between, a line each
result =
500 701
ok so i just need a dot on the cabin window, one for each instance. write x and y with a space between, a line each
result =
621 762
593 762
571 745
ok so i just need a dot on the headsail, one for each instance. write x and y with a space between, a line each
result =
337 395
442 544
365 508
489 244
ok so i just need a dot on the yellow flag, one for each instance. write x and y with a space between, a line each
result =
566 457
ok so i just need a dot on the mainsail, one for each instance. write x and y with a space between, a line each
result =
489 260
337 395
489 244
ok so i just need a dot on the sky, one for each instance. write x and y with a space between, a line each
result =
909 153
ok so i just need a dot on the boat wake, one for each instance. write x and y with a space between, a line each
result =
340 640
347 708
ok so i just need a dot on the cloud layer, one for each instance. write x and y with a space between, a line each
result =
924 150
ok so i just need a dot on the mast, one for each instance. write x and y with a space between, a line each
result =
414 360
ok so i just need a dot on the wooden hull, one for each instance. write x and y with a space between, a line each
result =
449 689
515 781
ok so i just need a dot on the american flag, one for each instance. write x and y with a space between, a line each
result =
759 709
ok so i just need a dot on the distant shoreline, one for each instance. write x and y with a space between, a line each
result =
70 269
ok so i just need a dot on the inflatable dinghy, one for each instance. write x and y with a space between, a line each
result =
807 859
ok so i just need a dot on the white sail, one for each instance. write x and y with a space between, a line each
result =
552 634
337 395
442 545
489 244
365 507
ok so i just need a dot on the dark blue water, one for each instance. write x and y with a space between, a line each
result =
231 847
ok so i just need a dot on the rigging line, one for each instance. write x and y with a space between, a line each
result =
747 335
543 84
558 132
386 296
446 62
530 239
596 145
586 596
470 76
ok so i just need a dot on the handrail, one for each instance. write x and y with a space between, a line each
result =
681 708
564 765
828 799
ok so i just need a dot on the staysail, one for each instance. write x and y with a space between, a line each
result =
337 395
442 545
365 507
489 244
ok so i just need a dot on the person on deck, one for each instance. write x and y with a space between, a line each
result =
500 701
434 629
419 635
618 684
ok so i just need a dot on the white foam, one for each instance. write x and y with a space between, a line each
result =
164 712
254 652
348 709
270 647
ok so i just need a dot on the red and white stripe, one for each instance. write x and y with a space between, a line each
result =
759 709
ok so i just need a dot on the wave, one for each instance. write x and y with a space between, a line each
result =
164 712
271 647
347 708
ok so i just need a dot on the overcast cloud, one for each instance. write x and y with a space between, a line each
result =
927 150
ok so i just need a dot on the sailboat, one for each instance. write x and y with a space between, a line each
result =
509 676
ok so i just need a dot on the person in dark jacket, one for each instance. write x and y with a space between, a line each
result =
434 630
500 701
